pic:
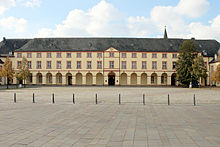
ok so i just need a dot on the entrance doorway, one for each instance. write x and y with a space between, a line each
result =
111 79
69 80
173 80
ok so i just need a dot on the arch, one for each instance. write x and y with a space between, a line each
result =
99 79
164 79
173 79
69 79
78 79
49 78
59 79
153 79
111 79
123 79
39 78
134 79
89 79
143 79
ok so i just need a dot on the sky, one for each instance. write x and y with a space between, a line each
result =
110 18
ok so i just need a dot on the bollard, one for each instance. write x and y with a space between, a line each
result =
96 98
168 99
194 99
144 99
33 98
53 98
14 97
73 98
119 99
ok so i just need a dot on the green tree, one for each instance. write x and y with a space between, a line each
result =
7 70
199 69
23 73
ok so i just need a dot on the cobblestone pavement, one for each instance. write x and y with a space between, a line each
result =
108 123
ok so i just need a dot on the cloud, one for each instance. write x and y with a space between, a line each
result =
33 3
6 4
13 24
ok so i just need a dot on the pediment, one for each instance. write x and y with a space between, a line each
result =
111 49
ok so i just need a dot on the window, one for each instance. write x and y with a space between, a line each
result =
68 64
19 63
48 55
99 64
58 64
164 65
78 66
89 65
48 64
154 55
78 55
174 55
111 64
38 55
144 55
68 55
19 55
29 64
99 55
134 55
154 65
111 54
89 55
144 65
174 65
134 64
28 55
123 64
58 55
123 55
38 64
164 55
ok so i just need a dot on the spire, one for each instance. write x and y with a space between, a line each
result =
165 33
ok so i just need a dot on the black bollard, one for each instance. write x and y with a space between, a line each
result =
53 98
14 97
144 99
96 98
194 99
119 99
168 99
73 98
33 98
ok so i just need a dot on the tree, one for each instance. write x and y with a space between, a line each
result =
23 73
7 70
184 64
199 69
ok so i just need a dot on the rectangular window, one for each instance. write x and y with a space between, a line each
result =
38 64
154 55
134 64
18 64
111 54
68 64
29 64
123 64
154 64
48 64
58 64
68 55
144 55
38 55
123 55
99 64
78 66
78 55
58 55
134 55
174 65
89 55
89 65
144 65
174 55
19 55
164 65
99 55
111 64
164 55
28 55
48 55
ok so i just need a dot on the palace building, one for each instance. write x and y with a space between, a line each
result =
102 61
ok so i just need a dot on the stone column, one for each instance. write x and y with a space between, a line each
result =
158 79
94 80
138 80
64 80
44 79
169 80
84 80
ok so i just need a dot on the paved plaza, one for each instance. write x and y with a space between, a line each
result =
109 124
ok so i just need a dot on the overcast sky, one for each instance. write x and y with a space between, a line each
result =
110 18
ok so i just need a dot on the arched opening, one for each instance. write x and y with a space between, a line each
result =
69 79
78 79
49 78
39 78
144 79
153 79
123 79
111 79
58 78
89 79
173 79
164 79
99 79
134 79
